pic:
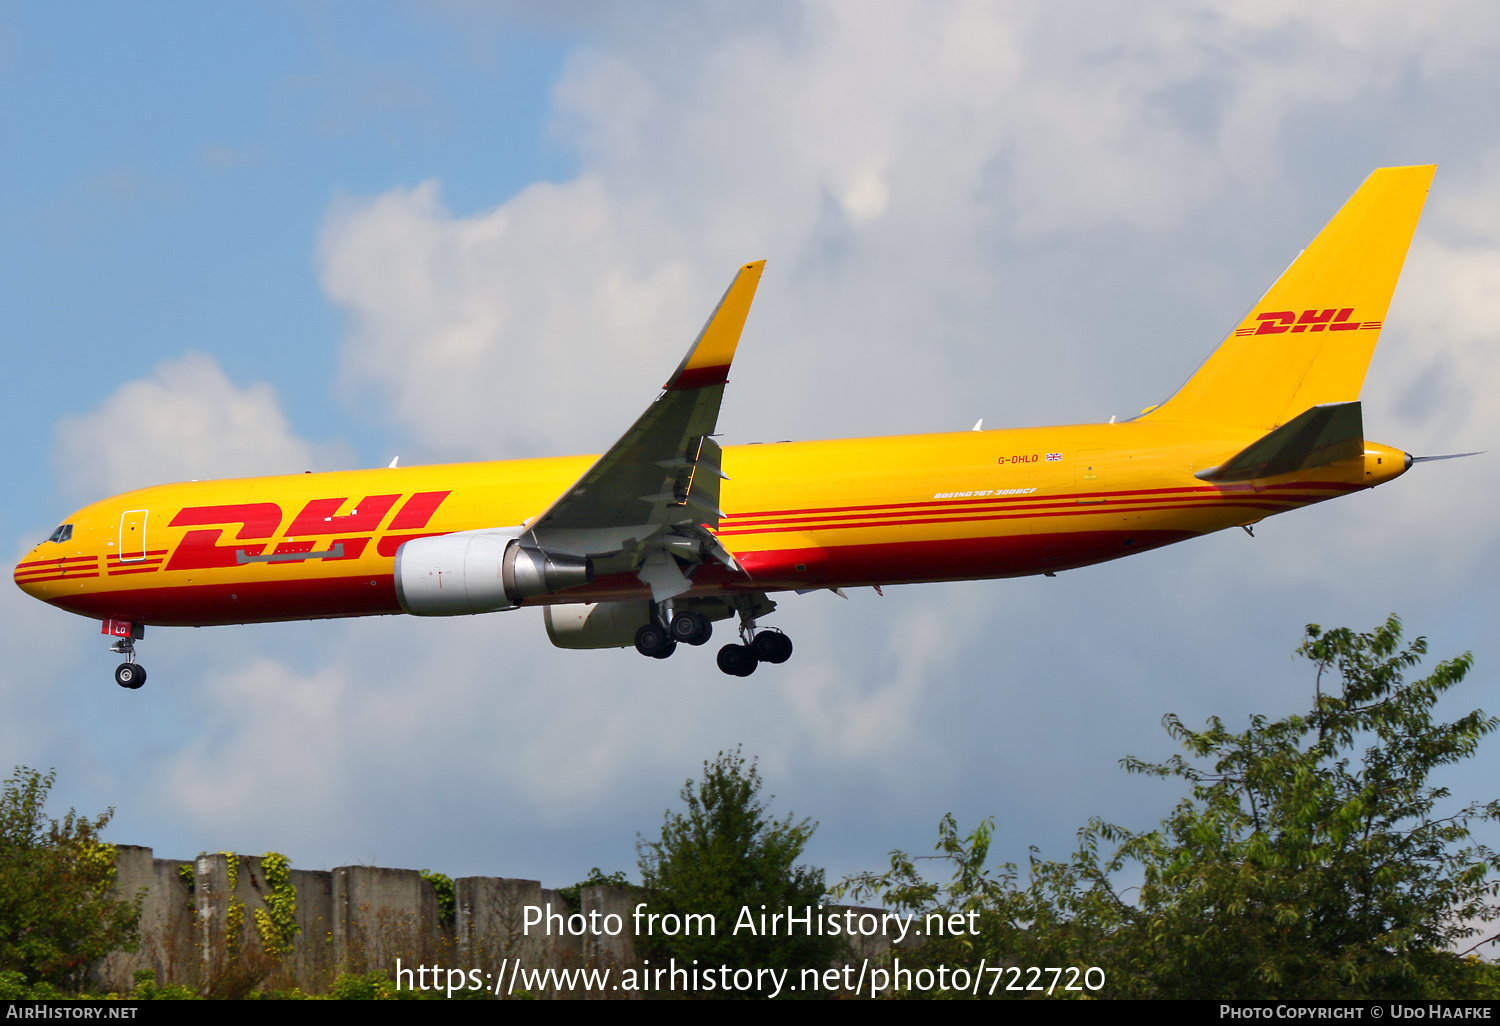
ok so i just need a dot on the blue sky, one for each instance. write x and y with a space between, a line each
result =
170 168
249 238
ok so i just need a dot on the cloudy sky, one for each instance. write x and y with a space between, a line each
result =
258 238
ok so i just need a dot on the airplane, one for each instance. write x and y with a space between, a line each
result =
667 533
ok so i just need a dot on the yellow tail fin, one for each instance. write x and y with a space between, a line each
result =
1309 339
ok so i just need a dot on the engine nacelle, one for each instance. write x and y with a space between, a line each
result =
598 625
480 572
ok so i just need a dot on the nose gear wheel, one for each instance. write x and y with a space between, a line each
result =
130 674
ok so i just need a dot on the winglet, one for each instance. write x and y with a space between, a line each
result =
707 362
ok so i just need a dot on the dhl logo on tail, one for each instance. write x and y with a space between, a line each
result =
1281 321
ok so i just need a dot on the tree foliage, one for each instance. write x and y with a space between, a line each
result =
724 853
1312 858
57 915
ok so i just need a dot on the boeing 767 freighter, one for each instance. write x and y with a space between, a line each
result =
666 533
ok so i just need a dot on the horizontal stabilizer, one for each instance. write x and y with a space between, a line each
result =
1314 438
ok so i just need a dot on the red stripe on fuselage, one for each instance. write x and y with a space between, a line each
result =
922 562
207 605
151 556
58 561
1208 491
53 568
1072 509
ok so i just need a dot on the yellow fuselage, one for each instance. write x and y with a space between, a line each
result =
907 509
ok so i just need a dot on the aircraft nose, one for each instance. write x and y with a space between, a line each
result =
20 575
32 571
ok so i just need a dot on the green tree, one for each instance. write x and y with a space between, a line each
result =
723 854
57 916
573 896
1313 857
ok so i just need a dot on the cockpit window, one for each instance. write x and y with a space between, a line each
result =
62 534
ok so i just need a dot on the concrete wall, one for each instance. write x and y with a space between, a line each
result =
380 915
490 920
604 950
168 942
355 919
313 960
231 955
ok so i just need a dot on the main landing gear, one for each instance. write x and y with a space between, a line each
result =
765 645
669 628
661 637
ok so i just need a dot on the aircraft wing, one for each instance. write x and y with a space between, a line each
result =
651 496
1313 438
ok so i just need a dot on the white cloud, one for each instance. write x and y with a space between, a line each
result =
914 174
909 171
1031 213
1024 212
186 421
478 719
506 331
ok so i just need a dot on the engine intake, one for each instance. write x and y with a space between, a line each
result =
480 572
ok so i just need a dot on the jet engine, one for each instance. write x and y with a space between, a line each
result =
480 572
598 625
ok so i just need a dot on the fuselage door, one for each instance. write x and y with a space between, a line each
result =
132 535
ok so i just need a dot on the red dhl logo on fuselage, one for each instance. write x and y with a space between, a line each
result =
319 519
1279 322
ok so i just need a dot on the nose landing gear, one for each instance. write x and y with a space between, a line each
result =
129 674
